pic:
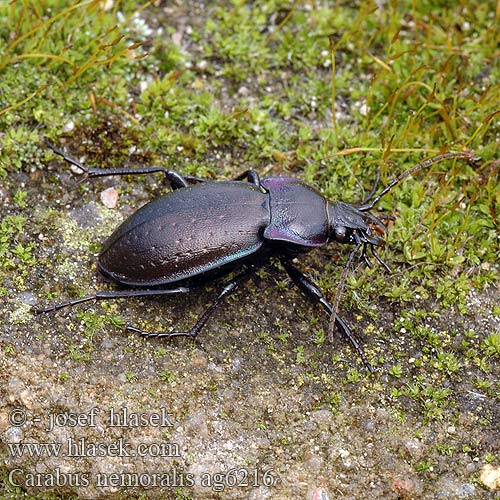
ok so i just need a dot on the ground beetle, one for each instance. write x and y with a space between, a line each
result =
203 230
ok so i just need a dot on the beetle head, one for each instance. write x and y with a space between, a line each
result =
350 225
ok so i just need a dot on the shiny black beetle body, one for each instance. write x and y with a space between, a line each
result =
211 225
206 229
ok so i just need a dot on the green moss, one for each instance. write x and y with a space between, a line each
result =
9 350
445 449
16 251
167 376
396 371
131 377
353 376
424 466
491 345
79 353
300 357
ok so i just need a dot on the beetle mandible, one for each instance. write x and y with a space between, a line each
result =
202 230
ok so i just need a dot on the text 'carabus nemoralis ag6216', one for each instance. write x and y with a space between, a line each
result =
203 230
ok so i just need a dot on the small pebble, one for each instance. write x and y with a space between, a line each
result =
243 91
414 447
14 435
177 38
109 197
466 490
27 298
490 477
407 487
319 494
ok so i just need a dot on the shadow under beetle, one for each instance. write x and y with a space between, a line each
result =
203 230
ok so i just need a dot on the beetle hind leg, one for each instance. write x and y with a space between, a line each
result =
174 178
112 294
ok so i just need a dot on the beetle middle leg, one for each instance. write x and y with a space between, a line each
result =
200 323
316 295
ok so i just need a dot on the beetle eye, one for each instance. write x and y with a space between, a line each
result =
340 233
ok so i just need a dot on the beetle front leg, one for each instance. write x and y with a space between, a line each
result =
175 179
316 295
200 323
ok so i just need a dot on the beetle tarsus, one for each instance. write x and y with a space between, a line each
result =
365 257
379 259
66 157
61 305
346 331
316 295
200 323
190 333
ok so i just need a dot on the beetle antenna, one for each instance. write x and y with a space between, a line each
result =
340 289
469 155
